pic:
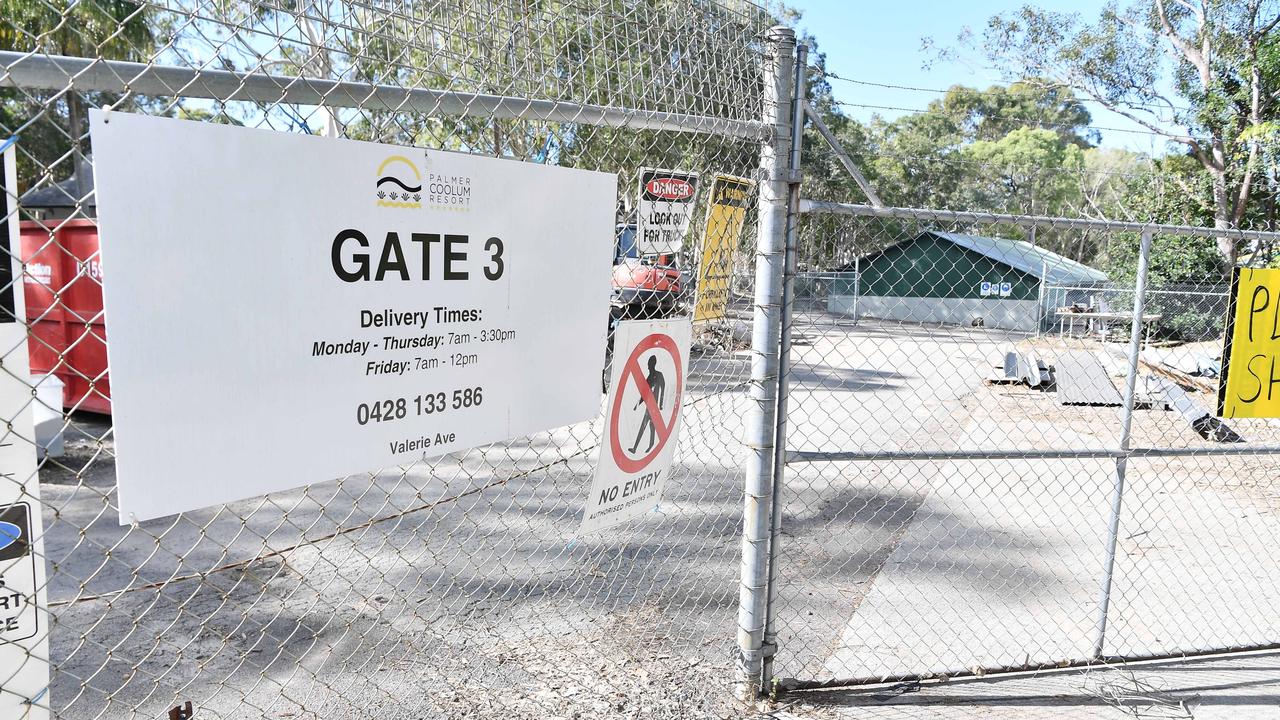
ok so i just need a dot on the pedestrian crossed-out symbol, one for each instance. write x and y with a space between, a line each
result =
659 402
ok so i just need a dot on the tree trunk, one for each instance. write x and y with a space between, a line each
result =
80 171
1222 219
313 31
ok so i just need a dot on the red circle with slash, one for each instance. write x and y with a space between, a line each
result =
631 373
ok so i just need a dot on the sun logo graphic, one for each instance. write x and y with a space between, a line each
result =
399 183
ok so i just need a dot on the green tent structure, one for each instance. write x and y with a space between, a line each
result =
956 279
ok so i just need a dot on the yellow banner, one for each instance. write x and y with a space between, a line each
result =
1250 386
726 213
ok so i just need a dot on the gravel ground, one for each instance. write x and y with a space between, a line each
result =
458 589
450 589
950 566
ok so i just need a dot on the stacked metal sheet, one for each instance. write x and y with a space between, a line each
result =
1083 380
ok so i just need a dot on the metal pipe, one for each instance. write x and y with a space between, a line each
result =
59 72
1038 669
807 456
766 335
834 208
1041 296
784 359
1229 449
849 165
857 285
1126 423
889 455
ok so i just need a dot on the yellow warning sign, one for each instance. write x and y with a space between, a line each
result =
1250 386
726 213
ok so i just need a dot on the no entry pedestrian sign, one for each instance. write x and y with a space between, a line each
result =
642 421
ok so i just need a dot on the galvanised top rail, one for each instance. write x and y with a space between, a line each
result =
58 72
821 206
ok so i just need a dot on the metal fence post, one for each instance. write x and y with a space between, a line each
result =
857 286
1126 422
1042 298
765 348
784 357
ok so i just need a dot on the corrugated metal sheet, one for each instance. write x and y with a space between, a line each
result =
1082 379
1032 260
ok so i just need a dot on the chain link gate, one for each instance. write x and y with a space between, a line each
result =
453 587
941 518
917 523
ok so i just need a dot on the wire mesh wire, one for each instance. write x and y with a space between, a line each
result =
453 587
975 391
966 526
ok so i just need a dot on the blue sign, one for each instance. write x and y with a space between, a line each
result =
9 534
15 535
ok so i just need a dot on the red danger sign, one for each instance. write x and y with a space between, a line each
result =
669 188
665 210
653 388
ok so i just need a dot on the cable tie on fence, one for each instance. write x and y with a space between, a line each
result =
38 696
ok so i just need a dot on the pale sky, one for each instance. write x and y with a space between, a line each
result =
881 43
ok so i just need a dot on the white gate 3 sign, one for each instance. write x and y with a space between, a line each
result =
285 309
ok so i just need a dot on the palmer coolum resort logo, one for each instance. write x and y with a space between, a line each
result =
399 183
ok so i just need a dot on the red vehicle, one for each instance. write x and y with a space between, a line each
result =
644 286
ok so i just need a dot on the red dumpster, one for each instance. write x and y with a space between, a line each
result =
63 286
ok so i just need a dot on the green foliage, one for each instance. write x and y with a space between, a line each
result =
1018 149
52 126
1175 260
115 29
1026 168
1223 59
203 115
993 148
1025 147
925 159
1177 264
993 113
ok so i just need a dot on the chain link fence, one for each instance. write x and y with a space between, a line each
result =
1189 313
964 453
971 489
453 587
